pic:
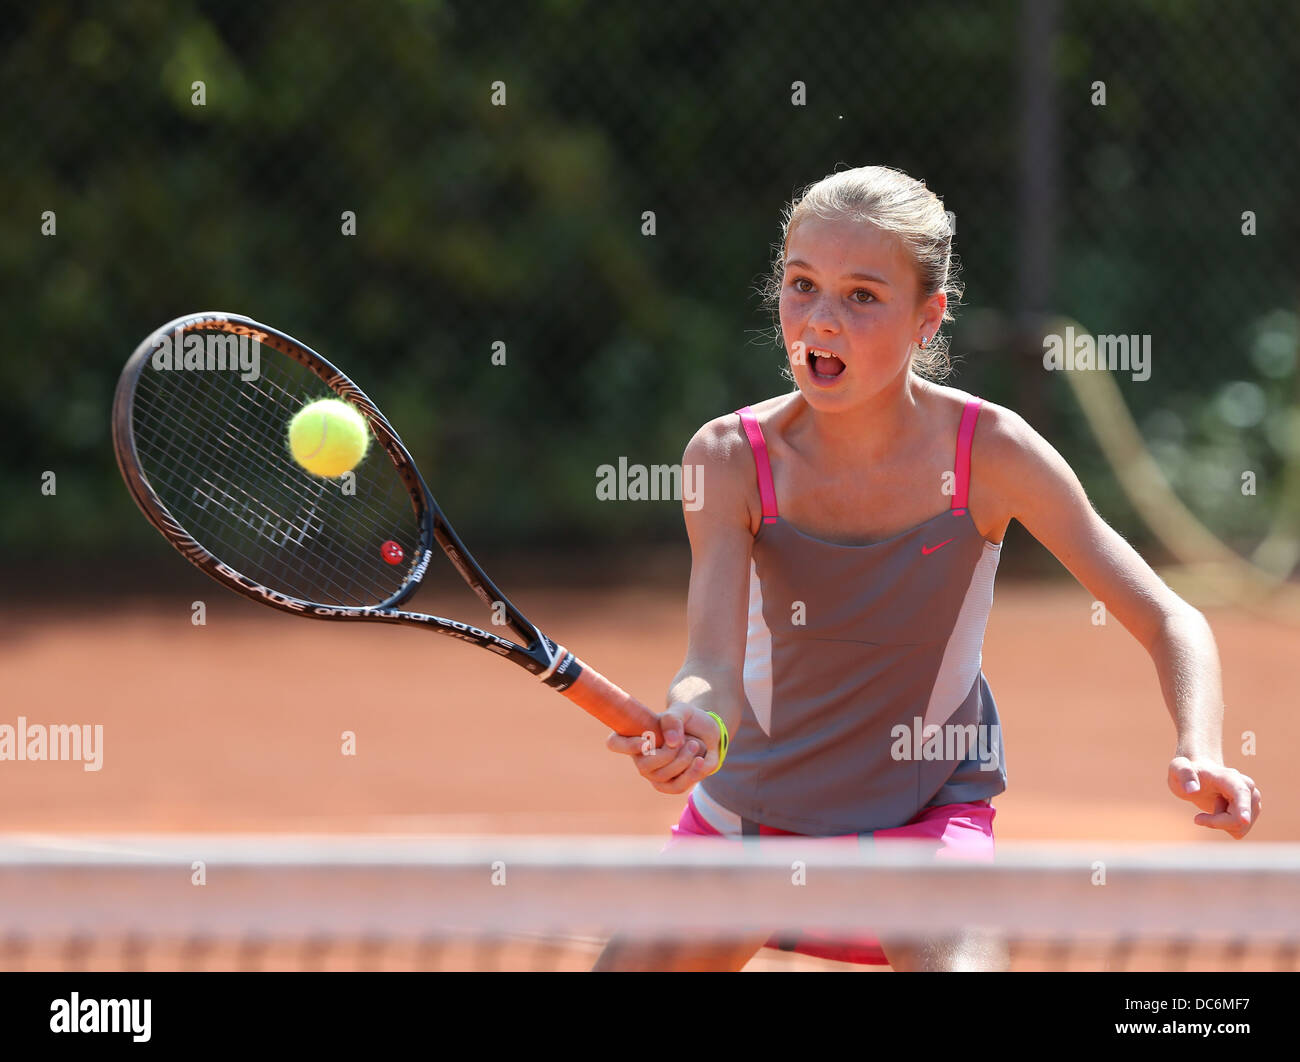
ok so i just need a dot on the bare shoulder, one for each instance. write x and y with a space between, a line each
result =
1017 471
1018 474
720 450
1007 459
1012 453
1001 434
720 441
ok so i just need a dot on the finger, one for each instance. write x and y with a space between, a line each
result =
681 760
673 728
1239 797
1221 818
685 781
1183 777
628 746
702 767
1227 821
653 763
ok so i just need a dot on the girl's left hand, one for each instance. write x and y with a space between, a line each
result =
1229 800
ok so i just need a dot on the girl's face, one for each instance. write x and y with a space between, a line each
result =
851 307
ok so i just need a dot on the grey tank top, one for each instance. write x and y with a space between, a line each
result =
866 702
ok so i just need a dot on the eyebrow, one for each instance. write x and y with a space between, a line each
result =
799 263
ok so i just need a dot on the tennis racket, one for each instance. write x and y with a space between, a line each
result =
200 422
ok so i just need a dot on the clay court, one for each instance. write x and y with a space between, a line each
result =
238 725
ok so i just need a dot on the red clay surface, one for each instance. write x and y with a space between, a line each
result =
238 725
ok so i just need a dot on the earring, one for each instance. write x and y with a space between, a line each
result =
924 341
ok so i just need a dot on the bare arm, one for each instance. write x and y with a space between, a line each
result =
1039 489
711 676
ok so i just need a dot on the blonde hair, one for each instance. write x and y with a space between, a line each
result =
895 203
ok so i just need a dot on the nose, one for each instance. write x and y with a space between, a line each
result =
822 317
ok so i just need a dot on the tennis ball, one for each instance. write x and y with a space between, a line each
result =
328 437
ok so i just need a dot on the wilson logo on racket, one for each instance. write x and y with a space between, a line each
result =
423 566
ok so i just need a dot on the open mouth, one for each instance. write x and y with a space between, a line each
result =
824 364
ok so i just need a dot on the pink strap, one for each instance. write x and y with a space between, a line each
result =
766 492
965 434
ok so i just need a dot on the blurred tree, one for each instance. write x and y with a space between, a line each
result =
521 224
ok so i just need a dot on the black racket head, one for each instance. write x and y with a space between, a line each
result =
201 438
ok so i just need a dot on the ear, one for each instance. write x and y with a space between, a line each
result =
931 318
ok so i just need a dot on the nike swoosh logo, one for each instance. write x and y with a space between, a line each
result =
931 549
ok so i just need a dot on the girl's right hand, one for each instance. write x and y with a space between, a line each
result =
689 751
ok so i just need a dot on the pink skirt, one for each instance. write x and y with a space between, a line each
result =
957 831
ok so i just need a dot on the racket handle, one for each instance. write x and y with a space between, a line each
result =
617 709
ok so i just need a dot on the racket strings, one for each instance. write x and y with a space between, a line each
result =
213 448
189 451
257 515
232 532
223 491
272 406
306 572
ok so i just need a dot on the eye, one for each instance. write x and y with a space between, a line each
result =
863 291
801 280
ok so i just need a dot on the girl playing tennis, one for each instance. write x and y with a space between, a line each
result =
842 576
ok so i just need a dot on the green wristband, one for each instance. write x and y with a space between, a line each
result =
723 741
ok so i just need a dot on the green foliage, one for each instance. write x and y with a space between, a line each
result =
479 224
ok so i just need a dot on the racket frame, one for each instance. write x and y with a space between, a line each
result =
534 651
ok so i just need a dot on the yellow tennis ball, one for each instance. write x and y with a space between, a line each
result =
328 437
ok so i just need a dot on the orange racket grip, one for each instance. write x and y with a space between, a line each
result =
617 709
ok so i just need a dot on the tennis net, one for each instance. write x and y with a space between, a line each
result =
532 903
